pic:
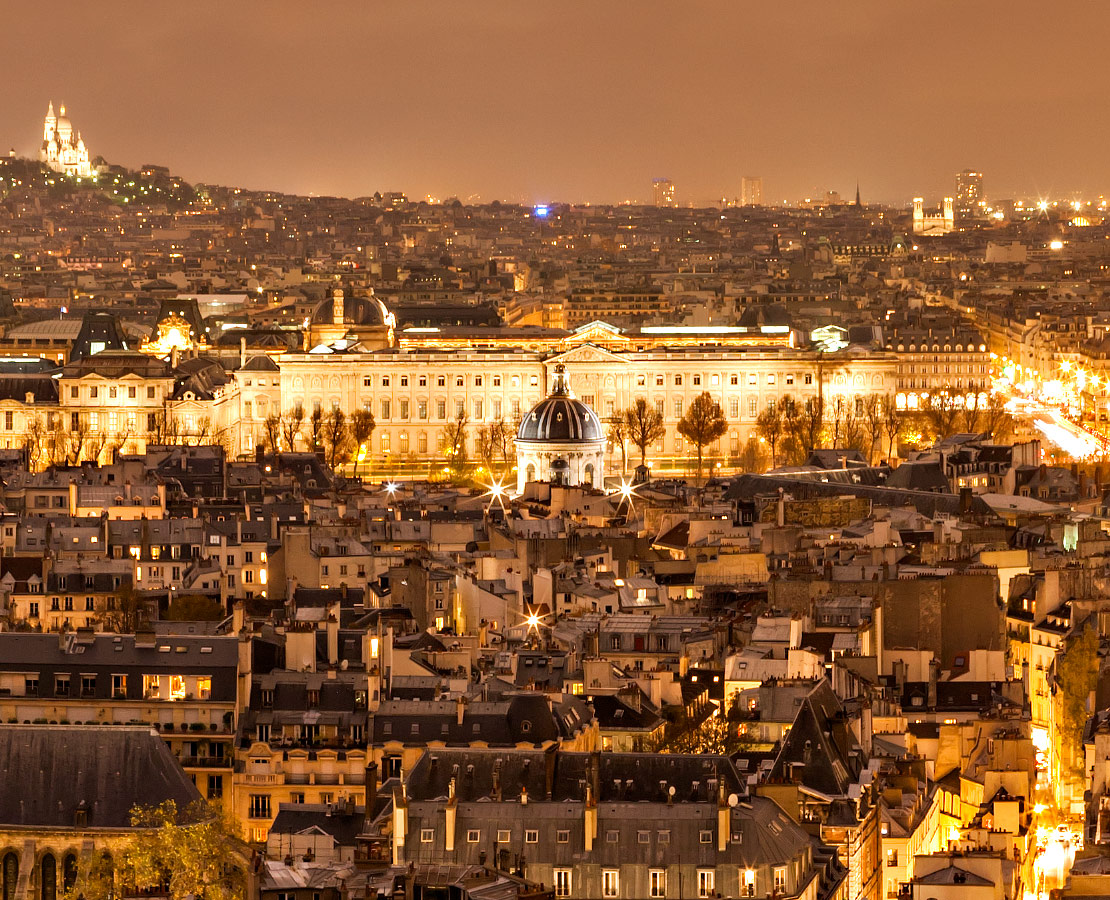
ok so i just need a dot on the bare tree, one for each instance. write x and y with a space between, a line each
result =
35 443
942 413
809 425
493 443
362 425
77 439
336 437
59 441
872 424
645 426
769 427
291 424
98 443
272 426
452 444
316 429
703 424
892 424
753 458
997 422
124 612
616 434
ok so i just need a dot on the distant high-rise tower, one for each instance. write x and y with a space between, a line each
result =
751 190
662 191
62 148
969 193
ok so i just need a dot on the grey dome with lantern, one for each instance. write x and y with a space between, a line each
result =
560 441
560 417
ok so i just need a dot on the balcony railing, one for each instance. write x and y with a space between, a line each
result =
206 762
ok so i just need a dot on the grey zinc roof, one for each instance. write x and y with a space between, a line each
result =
51 771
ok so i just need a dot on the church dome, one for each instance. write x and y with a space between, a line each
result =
64 126
560 418
357 311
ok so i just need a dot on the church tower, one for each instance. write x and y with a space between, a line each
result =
50 124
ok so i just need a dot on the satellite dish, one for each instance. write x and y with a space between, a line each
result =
733 800
670 790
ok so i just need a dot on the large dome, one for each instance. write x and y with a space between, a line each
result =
560 418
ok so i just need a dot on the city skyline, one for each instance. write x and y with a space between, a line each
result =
433 102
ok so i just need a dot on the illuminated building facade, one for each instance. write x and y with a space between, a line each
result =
933 222
969 193
663 192
62 149
751 190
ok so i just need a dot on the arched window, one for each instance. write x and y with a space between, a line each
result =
10 875
48 877
589 474
69 872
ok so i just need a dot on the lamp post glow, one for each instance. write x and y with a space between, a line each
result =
497 493
626 492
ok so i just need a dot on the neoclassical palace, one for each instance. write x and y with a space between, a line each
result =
415 381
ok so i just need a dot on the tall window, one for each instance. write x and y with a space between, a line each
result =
657 883
49 877
747 883
705 882
562 882
9 874
780 879
610 883
259 806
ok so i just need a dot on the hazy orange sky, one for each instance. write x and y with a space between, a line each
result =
572 100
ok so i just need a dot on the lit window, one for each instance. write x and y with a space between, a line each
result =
705 882
562 882
657 882
177 687
610 883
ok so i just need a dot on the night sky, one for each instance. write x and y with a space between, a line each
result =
575 101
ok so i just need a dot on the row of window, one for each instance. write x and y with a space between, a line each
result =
175 689
112 392
697 380
657 882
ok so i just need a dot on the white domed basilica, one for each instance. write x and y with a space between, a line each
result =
561 440
62 147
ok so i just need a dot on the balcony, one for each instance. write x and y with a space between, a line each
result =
258 779
205 762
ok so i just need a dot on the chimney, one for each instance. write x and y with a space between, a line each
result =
371 789
451 812
590 817
460 710
400 823
497 780
332 626
933 667
965 500
549 760
242 352
723 818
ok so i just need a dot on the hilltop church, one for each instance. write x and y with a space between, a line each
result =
62 148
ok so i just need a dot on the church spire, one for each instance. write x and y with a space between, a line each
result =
858 204
50 110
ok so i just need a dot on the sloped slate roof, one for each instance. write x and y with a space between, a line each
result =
52 771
